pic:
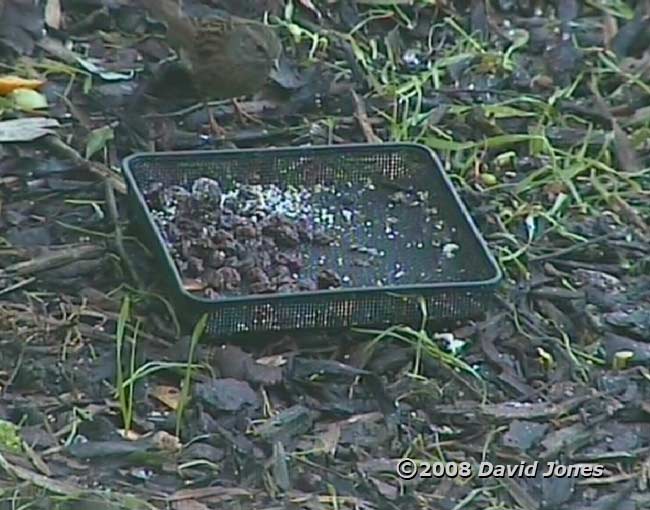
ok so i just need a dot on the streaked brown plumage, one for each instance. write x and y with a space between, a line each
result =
227 56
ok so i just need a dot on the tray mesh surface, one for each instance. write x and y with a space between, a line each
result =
391 199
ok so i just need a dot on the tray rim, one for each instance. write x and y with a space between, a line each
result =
266 299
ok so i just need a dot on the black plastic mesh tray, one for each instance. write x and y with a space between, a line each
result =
434 251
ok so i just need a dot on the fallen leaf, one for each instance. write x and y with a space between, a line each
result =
9 83
28 100
26 130
98 139
277 361
53 14
168 395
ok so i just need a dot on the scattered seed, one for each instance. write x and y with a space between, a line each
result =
253 223
449 250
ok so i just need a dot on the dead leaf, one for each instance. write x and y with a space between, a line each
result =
168 395
273 361
26 130
9 83
53 14
98 139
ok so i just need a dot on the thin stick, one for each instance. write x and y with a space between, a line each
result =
119 238
362 117
58 146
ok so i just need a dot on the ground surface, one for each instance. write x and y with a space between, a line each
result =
541 118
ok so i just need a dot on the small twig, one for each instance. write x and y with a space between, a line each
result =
58 146
362 117
225 107
625 153
54 259
89 331
16 369
17 285
119 238
41 481
572 248
630 214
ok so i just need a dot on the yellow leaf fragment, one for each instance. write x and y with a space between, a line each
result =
9 83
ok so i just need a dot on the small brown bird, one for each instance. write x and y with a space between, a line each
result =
227 57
